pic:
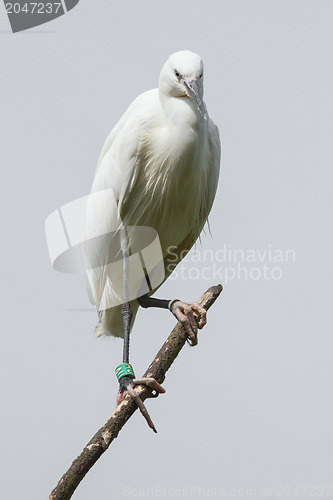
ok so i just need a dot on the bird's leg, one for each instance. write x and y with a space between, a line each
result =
127 381
192 316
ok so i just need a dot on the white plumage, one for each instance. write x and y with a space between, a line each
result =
161 162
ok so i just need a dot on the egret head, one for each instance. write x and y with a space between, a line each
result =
182 76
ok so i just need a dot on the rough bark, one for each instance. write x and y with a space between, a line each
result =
106 434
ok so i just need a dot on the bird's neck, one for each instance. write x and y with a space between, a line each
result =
181 134
182 116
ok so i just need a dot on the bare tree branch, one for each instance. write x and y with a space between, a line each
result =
104 437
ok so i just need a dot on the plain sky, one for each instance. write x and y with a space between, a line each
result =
251 406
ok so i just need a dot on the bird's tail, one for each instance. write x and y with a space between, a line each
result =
111 323
99 330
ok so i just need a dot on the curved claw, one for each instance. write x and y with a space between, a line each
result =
192 316
152 384
141 406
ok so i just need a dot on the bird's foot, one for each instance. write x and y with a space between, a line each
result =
192 316
126 386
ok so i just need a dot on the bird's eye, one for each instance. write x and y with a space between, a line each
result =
177 74
200 76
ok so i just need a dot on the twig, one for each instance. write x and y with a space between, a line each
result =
104 437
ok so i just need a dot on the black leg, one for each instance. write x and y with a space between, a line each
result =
146 301
126 311
127 382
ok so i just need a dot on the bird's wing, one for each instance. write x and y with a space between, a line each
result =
117 161
173 258
214 167
115 173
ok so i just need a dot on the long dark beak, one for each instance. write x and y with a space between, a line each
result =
193 90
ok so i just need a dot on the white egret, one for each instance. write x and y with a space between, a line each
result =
161 162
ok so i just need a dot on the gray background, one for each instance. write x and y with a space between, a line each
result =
264 415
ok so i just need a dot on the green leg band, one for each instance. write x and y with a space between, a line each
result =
124 370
